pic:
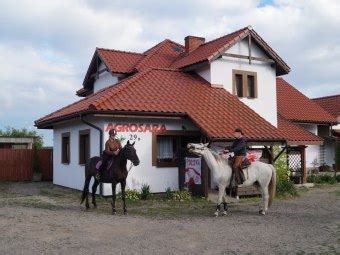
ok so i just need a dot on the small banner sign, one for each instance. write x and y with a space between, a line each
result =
193 171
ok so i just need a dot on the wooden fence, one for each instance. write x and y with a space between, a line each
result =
17 164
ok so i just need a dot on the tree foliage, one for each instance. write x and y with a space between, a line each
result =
23 132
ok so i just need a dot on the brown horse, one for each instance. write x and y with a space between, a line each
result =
116 173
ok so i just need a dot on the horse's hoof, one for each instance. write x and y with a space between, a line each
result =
216 214
125 212
262 212
113 212
225 213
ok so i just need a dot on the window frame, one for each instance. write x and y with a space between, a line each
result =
66 135
175 133
80 152
244 75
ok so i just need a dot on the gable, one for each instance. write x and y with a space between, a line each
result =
210 51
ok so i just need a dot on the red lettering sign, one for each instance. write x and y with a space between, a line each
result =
132 127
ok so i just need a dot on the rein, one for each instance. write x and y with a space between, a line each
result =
130 167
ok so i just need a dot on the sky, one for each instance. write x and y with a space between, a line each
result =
46 46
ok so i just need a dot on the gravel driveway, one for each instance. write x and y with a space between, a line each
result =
310 224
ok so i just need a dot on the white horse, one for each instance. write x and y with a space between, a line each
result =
258 172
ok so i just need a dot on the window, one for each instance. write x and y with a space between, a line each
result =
167 151
65 148
245 84
238 84
84 146
168 147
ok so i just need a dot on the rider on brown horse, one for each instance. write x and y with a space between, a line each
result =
239 149
112 147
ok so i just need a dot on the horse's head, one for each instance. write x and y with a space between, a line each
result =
130 153
197 148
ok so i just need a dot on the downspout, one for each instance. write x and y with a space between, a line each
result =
100 144
100 133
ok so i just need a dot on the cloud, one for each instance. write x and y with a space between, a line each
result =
46 46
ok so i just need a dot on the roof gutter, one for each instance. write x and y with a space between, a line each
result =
48 123
95 127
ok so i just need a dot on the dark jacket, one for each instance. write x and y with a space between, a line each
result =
239 146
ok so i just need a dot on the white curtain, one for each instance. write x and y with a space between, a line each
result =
165 148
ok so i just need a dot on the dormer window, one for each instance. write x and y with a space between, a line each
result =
245 84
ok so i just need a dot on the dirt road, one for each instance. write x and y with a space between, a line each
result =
34 222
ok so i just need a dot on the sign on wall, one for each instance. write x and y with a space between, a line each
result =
193 171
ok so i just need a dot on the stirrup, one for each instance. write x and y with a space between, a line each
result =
98 177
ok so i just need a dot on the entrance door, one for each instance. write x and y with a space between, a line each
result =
189 158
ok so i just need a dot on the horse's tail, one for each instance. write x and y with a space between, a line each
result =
86 185
272 186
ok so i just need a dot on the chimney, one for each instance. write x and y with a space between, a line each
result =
192 43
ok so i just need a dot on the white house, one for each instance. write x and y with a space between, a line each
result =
170 95
332 143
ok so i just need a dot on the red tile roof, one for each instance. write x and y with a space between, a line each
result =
295 134
161 55
212 49
214 110
119 61
207 49
295 106
330 103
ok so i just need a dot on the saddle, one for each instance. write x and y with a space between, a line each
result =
109 164
245 162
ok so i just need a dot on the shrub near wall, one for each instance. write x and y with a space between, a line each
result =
284 186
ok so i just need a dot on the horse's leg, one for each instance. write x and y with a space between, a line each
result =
225 204
94 190
264 200
221 191
86 192
113 204
123 185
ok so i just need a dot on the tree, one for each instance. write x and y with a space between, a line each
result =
23 132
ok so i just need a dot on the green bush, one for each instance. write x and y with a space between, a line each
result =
281 165
145 191
182 195
327 179
286 188
322 179
312 178
337 177
168 193
130 194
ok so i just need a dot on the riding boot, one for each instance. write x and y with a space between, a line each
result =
238 178
242 177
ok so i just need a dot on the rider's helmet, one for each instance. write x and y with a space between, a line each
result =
112 132
239 130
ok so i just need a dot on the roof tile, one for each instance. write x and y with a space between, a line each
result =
214 110
295 106
330 103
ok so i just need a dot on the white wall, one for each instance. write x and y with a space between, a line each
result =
312 151
159 179
220 72
105 79
204 72
72 175
330 153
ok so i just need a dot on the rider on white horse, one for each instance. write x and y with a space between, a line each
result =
239 149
